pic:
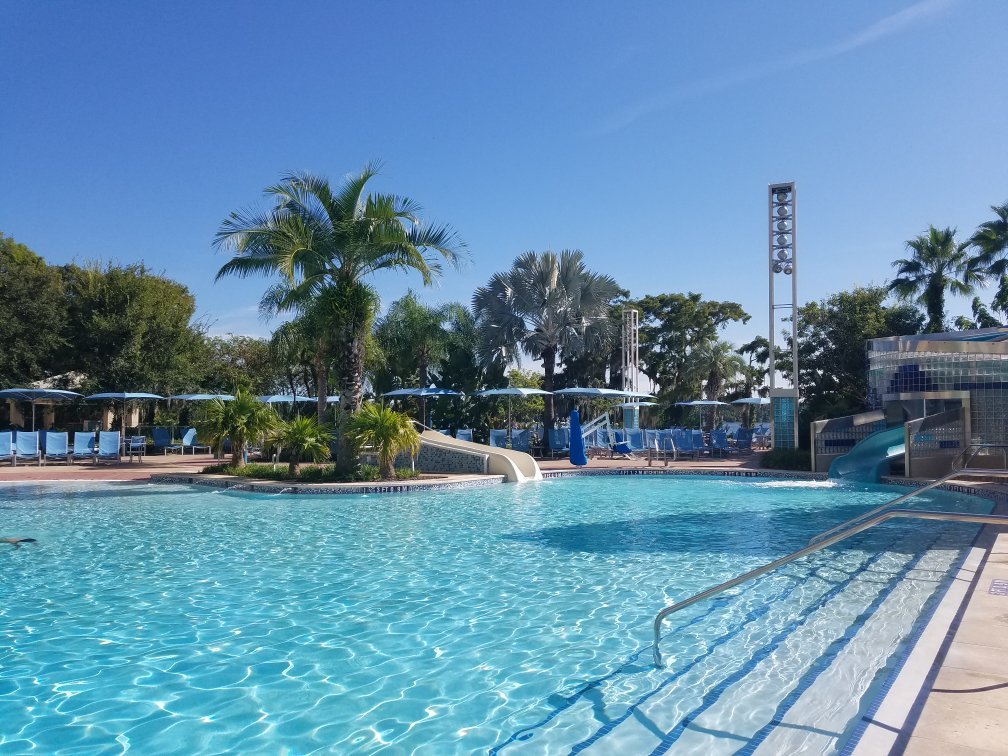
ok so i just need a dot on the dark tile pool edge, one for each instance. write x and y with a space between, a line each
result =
850 744
316 488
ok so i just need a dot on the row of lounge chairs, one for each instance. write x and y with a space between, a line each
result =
106 446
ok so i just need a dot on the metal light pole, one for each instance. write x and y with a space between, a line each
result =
631 363
783 263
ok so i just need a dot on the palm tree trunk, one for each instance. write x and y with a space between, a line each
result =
350 356
321 383
292 466
549 366
237 454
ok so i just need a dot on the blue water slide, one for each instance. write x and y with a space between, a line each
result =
869 459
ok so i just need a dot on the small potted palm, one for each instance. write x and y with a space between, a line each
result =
387 432
303 438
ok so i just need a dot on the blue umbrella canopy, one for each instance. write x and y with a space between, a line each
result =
201 397
422 392
758 400
285 399
512 391
122 396
601 393
35 395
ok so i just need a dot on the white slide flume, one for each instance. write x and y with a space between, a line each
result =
515 466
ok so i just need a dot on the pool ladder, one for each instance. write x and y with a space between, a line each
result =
846 530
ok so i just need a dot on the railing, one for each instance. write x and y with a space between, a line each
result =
853 530
930 441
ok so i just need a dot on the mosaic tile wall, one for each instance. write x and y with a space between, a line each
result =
985 376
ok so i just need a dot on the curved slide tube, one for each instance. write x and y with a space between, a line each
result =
515 466
869 459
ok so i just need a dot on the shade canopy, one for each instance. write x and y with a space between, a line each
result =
702 403
512 391
632 405
39 394
758 400
122 396
421 391
600 393
201 397
286 399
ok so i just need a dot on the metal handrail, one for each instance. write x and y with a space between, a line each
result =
962 459
853 530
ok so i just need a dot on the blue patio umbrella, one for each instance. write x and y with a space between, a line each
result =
510 392
201 397
757 401
34 395
577 451
703 403
422 393
285 399
122 396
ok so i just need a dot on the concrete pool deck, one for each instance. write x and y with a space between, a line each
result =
951 694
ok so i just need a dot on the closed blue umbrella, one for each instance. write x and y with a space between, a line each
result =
577 451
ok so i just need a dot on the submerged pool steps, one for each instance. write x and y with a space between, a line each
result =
807 643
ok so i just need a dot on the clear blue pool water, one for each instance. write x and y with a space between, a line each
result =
515 618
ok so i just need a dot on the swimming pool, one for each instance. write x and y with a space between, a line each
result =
511 618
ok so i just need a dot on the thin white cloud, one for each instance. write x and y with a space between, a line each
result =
885 27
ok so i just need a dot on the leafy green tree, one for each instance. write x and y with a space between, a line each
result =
132 330
756 354
302 437
386 431
544 306
982 317
675 329
243 420
32 317
990 241
832 341
233 361
937 265
320 240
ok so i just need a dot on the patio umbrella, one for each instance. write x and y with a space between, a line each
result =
123 396
577 452
703 403
201 397
757 401
422 393
285 399
511 392
601 393
34 395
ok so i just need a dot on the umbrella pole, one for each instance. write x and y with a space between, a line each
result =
33 415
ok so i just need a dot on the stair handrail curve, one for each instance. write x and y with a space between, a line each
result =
977 519
960 464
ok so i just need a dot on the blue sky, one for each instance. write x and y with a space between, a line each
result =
644 134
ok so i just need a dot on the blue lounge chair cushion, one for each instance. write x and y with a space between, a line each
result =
56 445
108 445
520 440
498 438
84 444
27 445
464 434
6 445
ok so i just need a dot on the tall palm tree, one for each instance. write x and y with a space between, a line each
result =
545 306
990 241
415 338
937 264
320 240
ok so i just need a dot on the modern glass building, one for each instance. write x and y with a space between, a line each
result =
910 377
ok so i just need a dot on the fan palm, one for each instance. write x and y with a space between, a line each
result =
937 264
302 437
243 419
386 431
546 305
320 240
990 241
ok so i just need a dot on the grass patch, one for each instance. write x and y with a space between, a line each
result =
307 473
786 459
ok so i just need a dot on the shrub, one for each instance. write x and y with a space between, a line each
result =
786 459
306 474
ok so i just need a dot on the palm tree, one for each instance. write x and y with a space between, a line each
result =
243 419
937 264
547 305
415 338
320 240
990 240
302 437
386 431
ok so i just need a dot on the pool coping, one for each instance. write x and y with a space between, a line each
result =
250 485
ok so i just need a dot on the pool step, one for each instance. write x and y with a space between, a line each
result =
832 629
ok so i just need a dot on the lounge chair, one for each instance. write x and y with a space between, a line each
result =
743 440
26 447
7 446
108 447
618 446
464 434
445 431
136 446
719 443
162 438
188 442
83 445
56 447
559 441
635 439
520 440
498 438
